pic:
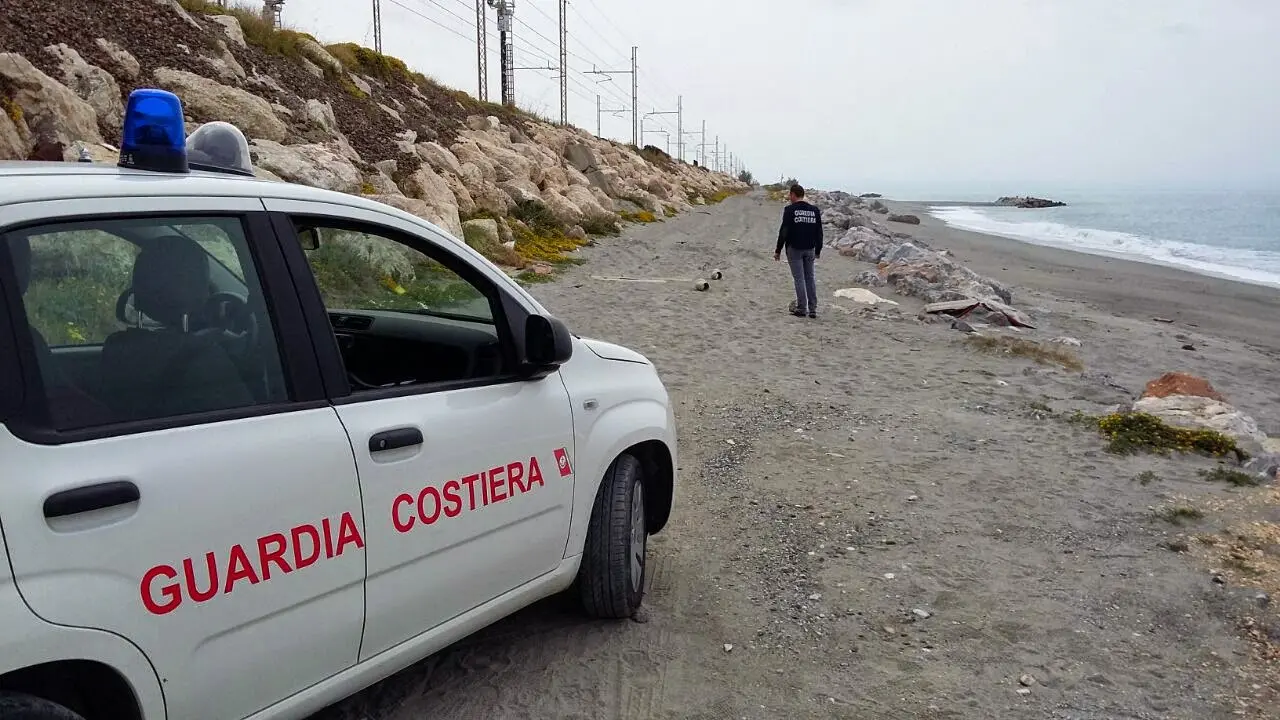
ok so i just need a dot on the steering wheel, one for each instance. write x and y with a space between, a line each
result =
231 314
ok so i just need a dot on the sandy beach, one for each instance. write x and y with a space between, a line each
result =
877 521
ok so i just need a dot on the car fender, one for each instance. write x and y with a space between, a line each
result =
616 429
28 641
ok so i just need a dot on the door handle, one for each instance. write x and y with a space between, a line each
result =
395 439
91 497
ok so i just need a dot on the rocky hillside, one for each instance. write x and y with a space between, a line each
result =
341 117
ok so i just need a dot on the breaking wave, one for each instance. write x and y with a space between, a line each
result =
1254 266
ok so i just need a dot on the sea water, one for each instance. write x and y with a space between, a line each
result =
1233 235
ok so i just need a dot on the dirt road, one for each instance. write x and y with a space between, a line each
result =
873 521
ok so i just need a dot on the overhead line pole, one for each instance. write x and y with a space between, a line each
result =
482 52
564 62
506 11
377 26
635 116
600 111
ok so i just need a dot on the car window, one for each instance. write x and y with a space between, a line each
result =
400 315
370 271
215 240
127 322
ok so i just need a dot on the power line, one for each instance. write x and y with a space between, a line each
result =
431 20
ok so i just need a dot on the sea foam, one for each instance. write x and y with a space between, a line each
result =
1253 266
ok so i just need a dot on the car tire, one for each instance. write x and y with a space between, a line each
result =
27 707
611 578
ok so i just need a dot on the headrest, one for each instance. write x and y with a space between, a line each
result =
20 251
170 280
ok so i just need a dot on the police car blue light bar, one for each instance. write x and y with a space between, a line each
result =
154 133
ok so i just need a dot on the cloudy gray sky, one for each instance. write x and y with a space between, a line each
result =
906 96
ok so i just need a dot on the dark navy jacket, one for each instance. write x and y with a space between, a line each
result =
801 228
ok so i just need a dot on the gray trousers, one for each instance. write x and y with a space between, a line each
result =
801 262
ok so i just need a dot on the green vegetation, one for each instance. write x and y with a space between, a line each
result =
1146 477
367 188
1231 476
669 211
1131 432
259 31
529 277
643 216
601 226
372 63
537 216
721 195
11 108
358 271
494 250
656 156
1177 514
746 177
1002 345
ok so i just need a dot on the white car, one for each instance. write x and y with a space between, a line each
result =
262 445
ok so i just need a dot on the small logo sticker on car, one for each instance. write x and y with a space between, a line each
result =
562 461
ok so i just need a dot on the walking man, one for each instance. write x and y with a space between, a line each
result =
801 235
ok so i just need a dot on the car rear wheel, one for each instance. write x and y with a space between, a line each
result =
611 579
27 707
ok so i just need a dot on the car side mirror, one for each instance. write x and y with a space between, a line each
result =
547 344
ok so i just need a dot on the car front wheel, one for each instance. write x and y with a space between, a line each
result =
611 579
26 707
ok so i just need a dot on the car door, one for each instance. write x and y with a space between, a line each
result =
466 470
201 499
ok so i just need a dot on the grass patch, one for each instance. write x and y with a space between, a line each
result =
644 216
550 247
720 196
657 157
1129 433
669 211
1232 477
538 217
601 226
1146 477
367 188
486 245
258 30
12 109
776 194
1178 514
529 277
1002 345
366 61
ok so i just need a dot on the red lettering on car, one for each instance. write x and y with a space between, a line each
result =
407 525
497 484
189 572
275 555
299 561
535 475
239 568
170 595
434 495
161 588
454 508
515 476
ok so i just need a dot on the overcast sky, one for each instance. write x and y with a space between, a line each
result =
902 96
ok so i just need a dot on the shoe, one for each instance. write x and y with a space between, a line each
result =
798 313
813 316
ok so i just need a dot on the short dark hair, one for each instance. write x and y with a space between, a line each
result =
797 190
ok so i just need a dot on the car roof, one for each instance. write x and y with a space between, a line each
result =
23 181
